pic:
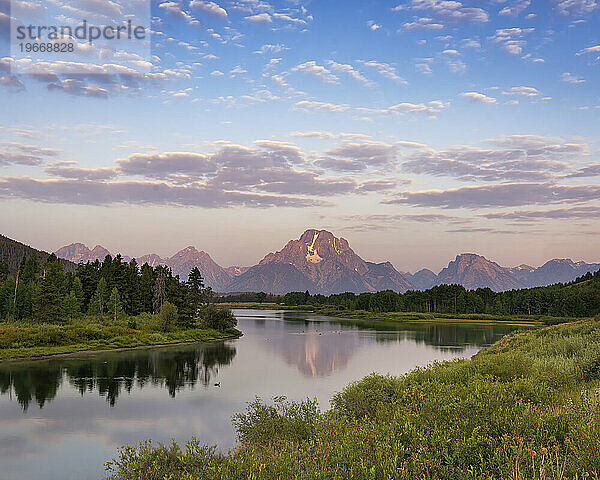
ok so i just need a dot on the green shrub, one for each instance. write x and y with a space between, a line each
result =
219 319
281 422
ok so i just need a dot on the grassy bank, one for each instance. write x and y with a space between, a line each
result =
263 306
526 408
443 317
29 339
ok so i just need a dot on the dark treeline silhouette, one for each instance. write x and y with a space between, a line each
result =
46 292
580 298
112 374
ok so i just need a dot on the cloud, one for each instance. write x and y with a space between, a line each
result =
367 153
522 92
210 8
317 71
505 195
576 7
431 108
289 18
383 185
385 70
312 106
14 153
103 173
519 158
479 97
339 164
12 83
585 212
139 193
350 71
425 23
512 39
174 9
331 136
515 8
568 77
594 49
259 18
446 11
590 171
238 70
271 49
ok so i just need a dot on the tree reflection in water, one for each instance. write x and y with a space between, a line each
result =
111 374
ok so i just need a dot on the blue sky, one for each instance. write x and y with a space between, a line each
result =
417 130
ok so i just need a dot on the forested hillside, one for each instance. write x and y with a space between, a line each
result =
13 254
578 298
43 291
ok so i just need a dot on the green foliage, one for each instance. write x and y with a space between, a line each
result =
100 299
168 316
284 421
114 305
217 318
71 306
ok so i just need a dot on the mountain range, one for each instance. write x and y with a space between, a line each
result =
322 263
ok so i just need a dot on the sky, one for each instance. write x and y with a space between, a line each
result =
417 129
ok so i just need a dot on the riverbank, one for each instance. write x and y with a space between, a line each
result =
412 317
526 408
95 347
28 340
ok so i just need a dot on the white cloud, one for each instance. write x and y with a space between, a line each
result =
576 7
522 92
512 39
259 18
349 70
515 8
479 97
210 8
317 71
385 70
312 106
572 79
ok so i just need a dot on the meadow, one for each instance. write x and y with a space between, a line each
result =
26 339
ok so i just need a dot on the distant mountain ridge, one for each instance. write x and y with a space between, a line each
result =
322 263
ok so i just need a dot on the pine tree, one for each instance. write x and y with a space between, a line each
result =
100 298
71 306
115 307
49 294
77 290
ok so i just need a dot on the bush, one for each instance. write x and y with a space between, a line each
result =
217 318
282 422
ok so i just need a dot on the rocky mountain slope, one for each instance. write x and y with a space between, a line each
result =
320 263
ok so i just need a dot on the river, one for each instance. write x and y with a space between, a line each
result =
63 418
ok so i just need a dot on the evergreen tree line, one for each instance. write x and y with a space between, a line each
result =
580 298
45 292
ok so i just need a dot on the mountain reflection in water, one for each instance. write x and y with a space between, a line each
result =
323 345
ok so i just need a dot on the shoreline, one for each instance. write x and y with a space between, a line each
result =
450 321
118 349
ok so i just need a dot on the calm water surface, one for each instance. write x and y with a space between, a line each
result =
64 418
